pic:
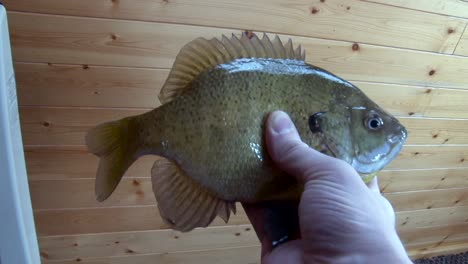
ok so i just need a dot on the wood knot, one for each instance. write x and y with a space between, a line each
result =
348 8
355 47
247 229
75 244
314 10
322 1
78 260
135 183
435 136
462 160
85 66
49 64
46 124
237 234
411 113
416 153
115 1
450 31
428 91
432 72
129 251
116 242
114 36
176 237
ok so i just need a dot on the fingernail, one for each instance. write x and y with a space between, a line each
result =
281 123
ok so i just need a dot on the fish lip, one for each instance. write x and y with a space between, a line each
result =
363 167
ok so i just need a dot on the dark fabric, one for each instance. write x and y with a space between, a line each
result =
461 258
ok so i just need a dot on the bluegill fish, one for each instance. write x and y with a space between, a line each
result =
210 129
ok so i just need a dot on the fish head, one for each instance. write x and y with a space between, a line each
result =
377 137
358 131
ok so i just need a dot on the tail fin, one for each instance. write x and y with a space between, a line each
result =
112 142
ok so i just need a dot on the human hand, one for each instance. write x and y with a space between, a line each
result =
341 219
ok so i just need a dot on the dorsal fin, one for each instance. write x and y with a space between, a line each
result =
201 54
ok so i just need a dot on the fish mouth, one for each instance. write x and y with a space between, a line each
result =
377 159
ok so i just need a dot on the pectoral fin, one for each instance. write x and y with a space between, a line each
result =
183 203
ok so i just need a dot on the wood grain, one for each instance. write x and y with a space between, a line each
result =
44 84
67 163
79 193
74 163
417 200
457 8
423 179
40 84
141 218
432 217
249 255
149 242
103 246
462 48
333 19
111 219
45 126
420 237
73 40
431 157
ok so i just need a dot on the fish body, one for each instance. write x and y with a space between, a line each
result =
210 129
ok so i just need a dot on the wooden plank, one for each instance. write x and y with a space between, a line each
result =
249 255
54 164
79 193
57 39
430 157
104 245
333 19
98 86
448 103
74 194
149 242
74 163
68 126
462 48
111 219
423 179
64 126
444 249
446 7
421 237
432 217
85 85
40 84
417 200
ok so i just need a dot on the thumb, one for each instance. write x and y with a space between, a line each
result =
294 156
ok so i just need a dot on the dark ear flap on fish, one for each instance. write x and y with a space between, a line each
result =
183 203
201 54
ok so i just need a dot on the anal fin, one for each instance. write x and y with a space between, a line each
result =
183 203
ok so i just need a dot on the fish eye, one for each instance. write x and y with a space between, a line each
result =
374 122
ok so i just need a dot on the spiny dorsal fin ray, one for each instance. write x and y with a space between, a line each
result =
201 54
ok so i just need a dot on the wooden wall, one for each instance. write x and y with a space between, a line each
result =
82 62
